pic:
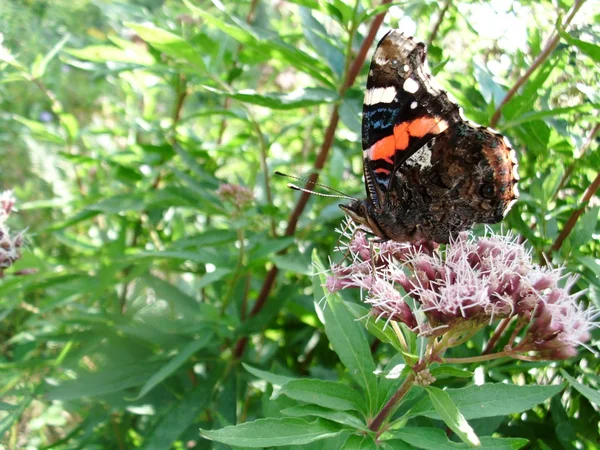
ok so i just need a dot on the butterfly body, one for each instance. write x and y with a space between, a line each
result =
429 173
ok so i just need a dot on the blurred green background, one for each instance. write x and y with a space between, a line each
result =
142 285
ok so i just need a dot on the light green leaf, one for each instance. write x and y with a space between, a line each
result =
592 50
174 363
38 68
274 432
355 442
591 394
168 43
328 394
450 414
269 45
110 53
298 99
435 439
488 400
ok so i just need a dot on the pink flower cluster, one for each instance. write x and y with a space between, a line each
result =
469 284
10 245
239 195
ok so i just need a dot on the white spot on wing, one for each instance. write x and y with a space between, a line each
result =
410 86
515 172
405 68
380 95
413 105
509 206
422 157
513 156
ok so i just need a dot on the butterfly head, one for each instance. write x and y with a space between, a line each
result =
360 211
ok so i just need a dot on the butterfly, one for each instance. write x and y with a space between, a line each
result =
429 172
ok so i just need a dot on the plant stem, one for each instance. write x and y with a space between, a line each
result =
438 23
541 58
587 195
497 334
480 358
393 402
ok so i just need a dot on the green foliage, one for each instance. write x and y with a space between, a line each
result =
145 283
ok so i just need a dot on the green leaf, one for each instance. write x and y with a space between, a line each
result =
274 379
38 68
179 417
355 442
218 274
377 328
342 417
347 337
109 379
175 363
110 53
170 44
488 400
40 130
15 414
267 247
274 432
450 414
327 394
435 439
592 50
269 45
584 229
591 394
449 371
298 99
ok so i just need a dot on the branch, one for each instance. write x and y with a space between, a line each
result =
541 58
438 23
350 77
589 192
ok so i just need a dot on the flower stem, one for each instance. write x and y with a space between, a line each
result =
393 402
478 358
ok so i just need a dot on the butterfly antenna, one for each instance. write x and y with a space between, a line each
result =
308 191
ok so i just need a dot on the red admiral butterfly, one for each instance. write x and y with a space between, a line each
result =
429 173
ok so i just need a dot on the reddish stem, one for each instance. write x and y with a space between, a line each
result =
590 191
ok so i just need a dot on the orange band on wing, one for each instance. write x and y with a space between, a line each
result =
386 147
420 127
401 135
383 149
382 170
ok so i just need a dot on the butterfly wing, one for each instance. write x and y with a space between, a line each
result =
403 111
